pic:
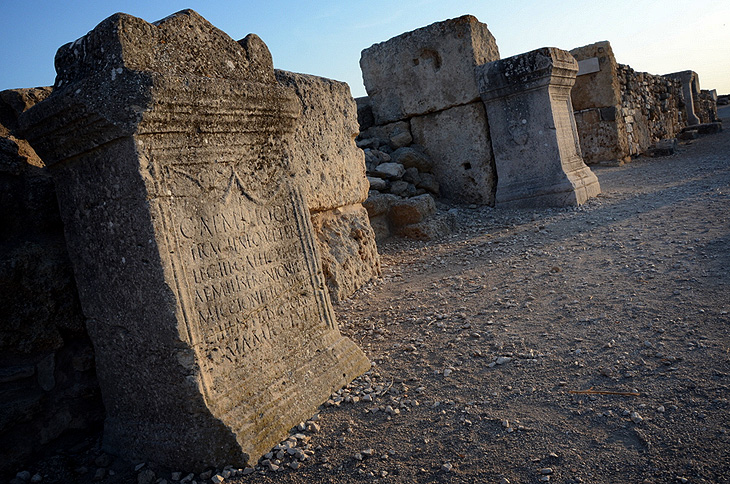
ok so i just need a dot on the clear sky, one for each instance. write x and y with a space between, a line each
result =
326 37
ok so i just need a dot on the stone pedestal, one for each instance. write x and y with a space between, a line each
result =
190 239
533 130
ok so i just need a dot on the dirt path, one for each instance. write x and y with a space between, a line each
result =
629 293
480 339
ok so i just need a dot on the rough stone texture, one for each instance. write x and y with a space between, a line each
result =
596 98
426 70
620 113
365 116
324 155
387 131
331 169
458 142
347 247
599 88
651 109
191 244
47 379
533 131
690 89
706 103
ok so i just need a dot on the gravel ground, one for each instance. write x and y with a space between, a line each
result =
587 344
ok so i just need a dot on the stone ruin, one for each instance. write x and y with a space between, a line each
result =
428 94
621 113
213 206
178 176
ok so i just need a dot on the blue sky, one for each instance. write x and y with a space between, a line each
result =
326 37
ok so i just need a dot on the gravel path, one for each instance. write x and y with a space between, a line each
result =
492 346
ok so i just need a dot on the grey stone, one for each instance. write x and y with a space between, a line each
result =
377 183
411 157
458 142
426 70
390 170
191 243
533 131
428 182
386 131
400 188
23 475
324 155
364 112
400 139
411 175
664 147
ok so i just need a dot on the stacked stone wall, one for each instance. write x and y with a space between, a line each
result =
652 108
706 106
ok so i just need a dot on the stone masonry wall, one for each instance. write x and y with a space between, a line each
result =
48 383
652 108
619 112
706 106
422 83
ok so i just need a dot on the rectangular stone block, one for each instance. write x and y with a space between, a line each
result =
533 130
190 240
598 86
458 141
330 167
428 69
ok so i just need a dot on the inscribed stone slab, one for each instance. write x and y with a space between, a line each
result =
191 243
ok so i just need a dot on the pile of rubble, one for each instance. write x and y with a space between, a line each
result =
402 185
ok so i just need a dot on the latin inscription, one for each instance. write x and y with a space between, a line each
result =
251 281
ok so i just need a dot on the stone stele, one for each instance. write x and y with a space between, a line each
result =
533 131
190 240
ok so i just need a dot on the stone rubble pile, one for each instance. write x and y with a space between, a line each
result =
401 200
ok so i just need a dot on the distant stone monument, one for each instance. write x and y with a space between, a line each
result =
190 239
534 138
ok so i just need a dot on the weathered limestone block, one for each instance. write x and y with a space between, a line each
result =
596 87
324 155
347 245
331 169
691 89
596 98
533 131
458 142
426 70
191 242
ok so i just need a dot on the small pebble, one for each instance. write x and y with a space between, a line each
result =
447 467
636 418
546 471
217 479
36 478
